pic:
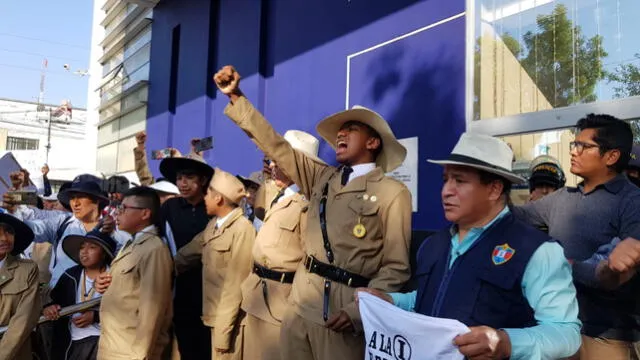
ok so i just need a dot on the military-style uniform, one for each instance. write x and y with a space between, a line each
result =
136 310
277 253
225 253
142 167
368 224
20 306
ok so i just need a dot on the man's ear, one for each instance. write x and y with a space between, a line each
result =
612 157
146 214
373 143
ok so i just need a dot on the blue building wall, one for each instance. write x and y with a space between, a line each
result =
293 56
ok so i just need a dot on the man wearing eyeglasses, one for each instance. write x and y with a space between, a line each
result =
604 206
136 309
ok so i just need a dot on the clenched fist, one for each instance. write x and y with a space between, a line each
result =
227 80
625 256
141 138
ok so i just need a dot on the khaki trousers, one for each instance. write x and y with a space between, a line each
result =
606 349
302 339
262 340
236 351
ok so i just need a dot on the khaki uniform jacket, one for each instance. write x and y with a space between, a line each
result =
278 247
142 167
20 306
226 258
382 255
136 310
264 196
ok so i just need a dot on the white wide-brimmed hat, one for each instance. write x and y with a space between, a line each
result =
164 186
305 142
392 154
52 197
485 153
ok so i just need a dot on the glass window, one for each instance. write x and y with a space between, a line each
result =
133 122
547 54
110 111
18 143
126 161
109 132
107 159
138 42
116 21
135 98
112 63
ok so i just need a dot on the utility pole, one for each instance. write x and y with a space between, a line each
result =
49 137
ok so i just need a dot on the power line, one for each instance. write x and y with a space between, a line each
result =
32 69
44 40
37 54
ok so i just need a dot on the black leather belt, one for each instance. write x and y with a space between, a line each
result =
279 276
335 273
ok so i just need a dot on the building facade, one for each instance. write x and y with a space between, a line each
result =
119 86
522 70
46 135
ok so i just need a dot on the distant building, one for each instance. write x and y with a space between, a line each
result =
119 67
25 132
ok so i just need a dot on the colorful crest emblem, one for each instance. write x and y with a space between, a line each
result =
502 253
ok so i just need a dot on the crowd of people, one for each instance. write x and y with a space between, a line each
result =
203 264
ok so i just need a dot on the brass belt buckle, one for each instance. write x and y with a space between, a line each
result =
282 278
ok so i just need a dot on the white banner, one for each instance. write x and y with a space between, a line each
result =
394 334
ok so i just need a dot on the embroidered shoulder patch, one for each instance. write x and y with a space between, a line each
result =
502 253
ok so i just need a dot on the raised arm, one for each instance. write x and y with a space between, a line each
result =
303 170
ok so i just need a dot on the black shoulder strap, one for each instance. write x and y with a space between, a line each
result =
323 220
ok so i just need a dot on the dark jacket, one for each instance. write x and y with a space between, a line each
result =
64 294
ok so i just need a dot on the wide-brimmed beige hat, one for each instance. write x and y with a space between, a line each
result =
392 154
228 185
485 153
305 142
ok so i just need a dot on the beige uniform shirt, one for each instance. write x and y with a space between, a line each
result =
20 307
136 310
381 204
142 167
278 247
225 253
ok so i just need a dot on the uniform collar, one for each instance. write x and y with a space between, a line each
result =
222 220
613 186
360 170
290 191
3 261
149 229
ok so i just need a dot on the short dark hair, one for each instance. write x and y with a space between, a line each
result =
487 178
146 198
611 134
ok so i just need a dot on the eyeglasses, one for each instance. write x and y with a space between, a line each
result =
122 208
580 146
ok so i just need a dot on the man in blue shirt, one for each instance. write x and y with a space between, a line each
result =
507 281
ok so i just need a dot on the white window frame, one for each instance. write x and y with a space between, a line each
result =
566 117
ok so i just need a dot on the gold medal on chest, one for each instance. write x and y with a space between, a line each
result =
359 230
